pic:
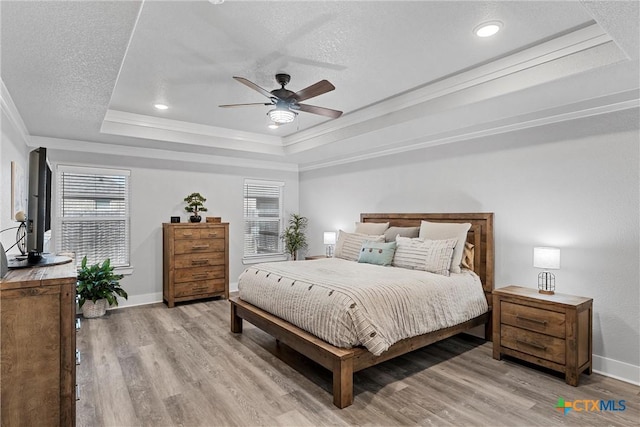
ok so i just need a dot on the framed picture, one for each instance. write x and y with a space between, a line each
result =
18 190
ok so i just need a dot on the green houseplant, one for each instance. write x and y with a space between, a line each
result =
98 286
195 204
293 236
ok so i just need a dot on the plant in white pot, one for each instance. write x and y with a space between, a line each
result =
98 286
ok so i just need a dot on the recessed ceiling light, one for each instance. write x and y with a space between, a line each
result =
487 29
161 106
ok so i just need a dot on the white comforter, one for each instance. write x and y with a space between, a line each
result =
349 304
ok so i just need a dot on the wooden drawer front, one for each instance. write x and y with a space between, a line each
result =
543 346
199 288
196 233
199 273
533 319
199 260
195 246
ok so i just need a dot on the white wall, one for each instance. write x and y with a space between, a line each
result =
13 147
158 188
574 185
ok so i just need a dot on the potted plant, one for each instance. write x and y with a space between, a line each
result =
195 204
293 236
97 286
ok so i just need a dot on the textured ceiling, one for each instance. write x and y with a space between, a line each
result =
398 67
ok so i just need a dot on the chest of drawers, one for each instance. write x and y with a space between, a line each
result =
553 331
195 261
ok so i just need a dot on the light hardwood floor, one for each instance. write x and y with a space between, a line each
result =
154 366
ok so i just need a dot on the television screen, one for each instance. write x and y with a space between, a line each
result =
39 203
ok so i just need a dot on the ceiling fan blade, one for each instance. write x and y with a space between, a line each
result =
255 87
334 114
323 86
244 105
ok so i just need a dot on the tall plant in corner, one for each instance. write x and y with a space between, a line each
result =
293 236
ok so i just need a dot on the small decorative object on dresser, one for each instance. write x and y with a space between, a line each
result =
195 261
195 205
329 241
554 331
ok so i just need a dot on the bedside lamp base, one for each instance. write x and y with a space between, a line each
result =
546 283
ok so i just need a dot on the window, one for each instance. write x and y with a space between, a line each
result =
93 214
262 220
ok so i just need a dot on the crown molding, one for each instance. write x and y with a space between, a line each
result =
153 153
584 109
11 112
142 126
539 55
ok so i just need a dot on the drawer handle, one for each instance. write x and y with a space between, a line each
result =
200 246
78 324
199 261
213 234
78 357
77 392
534 345
199 276
187 234
528 319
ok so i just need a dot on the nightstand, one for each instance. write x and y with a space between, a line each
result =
554 331
315 257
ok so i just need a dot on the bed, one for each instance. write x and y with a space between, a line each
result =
344 361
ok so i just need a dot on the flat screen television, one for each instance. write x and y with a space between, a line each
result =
39 204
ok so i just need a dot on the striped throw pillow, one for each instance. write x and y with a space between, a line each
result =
349 244
433 256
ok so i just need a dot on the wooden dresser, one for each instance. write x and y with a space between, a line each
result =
553 331
38 356
195 261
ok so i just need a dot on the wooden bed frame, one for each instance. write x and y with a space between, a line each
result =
343 362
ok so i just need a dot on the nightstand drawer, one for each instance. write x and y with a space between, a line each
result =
198 288
533 319
200 273
202 245
539 345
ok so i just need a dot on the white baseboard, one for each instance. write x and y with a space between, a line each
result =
134 300
615 369
233 287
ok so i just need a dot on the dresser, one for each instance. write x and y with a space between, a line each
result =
554 331
195 261
38 348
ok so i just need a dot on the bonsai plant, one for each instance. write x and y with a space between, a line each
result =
293 236
195 204
97 286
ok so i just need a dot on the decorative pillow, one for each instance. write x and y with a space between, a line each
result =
447 230
377 253
469 256
429 255
392 232
349 244
371 228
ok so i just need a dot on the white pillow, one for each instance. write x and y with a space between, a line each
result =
428 255
447 230
349 244
371 228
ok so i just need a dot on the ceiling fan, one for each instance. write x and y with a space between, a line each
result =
287 103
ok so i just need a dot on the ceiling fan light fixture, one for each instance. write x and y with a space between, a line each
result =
273 125
487 29
281 116
161 106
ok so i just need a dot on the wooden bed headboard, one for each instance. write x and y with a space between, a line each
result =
480 235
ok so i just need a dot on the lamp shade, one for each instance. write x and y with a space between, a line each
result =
329 237
546 258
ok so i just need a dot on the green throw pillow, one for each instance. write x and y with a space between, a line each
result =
377 253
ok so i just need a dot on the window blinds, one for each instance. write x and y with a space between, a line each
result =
93 208
262 218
